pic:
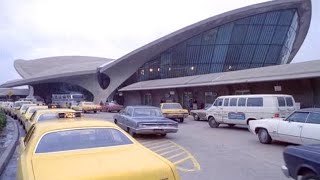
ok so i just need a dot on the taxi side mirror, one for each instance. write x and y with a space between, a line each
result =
22 145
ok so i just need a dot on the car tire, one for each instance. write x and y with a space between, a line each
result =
95 111
264 136
181 120
231 125
213 123
196 117
310 176
133 134
163 135
115 121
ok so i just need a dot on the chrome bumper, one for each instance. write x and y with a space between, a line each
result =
174 116
155 130
285 171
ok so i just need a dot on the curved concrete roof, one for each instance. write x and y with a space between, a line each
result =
123 68
59 65
53 68
145 53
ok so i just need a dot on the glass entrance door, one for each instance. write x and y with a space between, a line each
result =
187 100
147 99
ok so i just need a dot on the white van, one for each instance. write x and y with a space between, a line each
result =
240 109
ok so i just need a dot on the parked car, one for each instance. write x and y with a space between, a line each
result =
87 107
174 111
199 114
81 148
302 162
29 112
301 127
240 109
111 107
44 115
145 120
16 107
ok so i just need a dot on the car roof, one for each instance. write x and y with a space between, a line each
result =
309 110
170 103
255 95
146 107
54 110
60 124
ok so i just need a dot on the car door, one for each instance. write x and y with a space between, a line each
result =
121 118
127 117
290 129
216 110
310 133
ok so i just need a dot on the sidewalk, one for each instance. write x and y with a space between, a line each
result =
8 139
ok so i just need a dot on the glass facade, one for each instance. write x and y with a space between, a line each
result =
256 41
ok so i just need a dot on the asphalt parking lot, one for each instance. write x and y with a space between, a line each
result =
200 152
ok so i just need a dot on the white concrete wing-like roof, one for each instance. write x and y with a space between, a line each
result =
127 65
310 69
58 65
44 69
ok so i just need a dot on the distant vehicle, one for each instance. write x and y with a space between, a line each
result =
301 127
90 149
199 114
145 120
16 107
302 162
111 107
87 107
240 109
67 100
44 115
29 112
174 111
23 110
33 99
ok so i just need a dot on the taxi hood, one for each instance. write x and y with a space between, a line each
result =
132 162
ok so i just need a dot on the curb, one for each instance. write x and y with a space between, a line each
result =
6 156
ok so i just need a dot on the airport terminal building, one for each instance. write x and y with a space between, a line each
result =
244 51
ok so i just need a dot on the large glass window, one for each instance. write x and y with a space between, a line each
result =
260 40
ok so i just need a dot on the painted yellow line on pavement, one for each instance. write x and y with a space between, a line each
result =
175 153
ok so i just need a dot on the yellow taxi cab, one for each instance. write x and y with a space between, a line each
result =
23 110
16 107
83 148
29 112
87 107
174 111
44 115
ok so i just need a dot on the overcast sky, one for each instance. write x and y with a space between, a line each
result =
43 28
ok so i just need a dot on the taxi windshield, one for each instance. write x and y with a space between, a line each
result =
77 139
171 106
144 112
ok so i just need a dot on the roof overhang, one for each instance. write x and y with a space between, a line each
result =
310 69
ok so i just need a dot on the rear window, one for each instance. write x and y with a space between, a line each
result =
77 139
233 102
281 101
314 118
255 102
242 102
171 106
47 117
289 101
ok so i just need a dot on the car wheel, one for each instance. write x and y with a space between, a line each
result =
213 123
115 121
95 111
264 136
163 135
196 117
181 120
310 176
231 125
133 134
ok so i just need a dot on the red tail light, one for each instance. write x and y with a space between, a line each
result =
276 115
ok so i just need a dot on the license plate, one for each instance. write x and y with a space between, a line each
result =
158 130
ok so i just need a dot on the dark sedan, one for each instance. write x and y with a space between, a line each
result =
145 120
302 161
